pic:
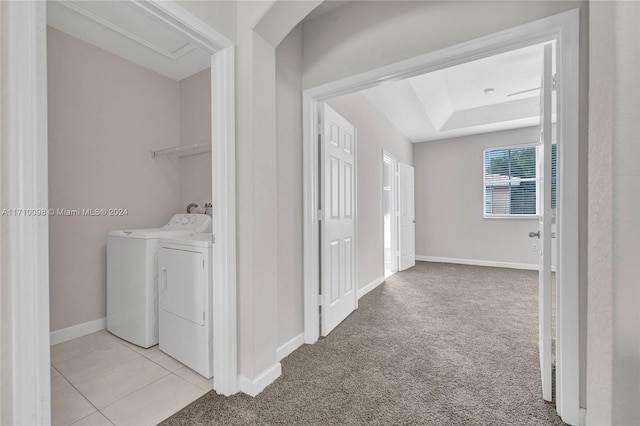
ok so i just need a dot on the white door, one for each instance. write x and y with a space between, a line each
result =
338 226
407 218
544 230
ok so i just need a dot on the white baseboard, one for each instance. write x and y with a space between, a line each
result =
76 331
493 263
373 284
264 379
283 351
582 417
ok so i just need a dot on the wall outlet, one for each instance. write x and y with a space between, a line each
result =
534 247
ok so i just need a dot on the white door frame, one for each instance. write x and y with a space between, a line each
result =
394 213
29 263
564 29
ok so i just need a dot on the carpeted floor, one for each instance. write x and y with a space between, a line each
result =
438 344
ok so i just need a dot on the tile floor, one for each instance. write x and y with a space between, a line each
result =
99 379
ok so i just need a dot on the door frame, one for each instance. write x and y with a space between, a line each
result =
395 214
28 188
564 29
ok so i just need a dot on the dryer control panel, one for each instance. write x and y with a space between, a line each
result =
198 223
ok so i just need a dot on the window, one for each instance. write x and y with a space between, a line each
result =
511 181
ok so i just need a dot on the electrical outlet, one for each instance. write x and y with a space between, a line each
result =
534 247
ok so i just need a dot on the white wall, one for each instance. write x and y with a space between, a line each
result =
289 148
613 372
450 219
105 116
375 134
195 126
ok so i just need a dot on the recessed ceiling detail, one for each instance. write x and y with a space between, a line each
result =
123 30
491 94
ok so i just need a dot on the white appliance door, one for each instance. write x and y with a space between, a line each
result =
544 230
407 217
182 284
338 226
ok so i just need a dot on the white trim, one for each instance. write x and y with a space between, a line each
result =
563 28
262 380
223 152
76 331
28 187
284 350
477 262
568 294
371 286
29 236
583 417
311 227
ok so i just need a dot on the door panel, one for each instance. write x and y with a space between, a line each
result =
545 215
182 284
407 217
338 226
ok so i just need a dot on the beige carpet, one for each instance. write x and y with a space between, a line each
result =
438 344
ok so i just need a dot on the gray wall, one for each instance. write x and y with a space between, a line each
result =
375 134
289 146
450 202
195 126
105 115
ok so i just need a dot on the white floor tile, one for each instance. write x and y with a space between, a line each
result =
95 419
164 360
68 406
95 362
154 403
194 378
131 346
109 386
80 346
58 382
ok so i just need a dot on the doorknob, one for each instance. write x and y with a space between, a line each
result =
534 234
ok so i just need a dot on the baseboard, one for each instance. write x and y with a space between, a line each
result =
283 351
373 284
264 379
76 331
582 421
493 263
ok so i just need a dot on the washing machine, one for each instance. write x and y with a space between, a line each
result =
185 320
132 280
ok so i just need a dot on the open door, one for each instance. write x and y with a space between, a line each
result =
338 227
407 217
544 230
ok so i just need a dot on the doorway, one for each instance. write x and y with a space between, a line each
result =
390 213
562 29
30 186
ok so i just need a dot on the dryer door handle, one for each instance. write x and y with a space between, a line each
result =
164 279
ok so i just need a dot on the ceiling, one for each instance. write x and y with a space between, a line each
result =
452 102
122 29
325 7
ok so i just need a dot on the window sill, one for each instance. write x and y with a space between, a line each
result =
516 217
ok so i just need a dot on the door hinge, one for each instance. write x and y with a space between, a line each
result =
202 315
213 238
319 215
553 83
319 129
